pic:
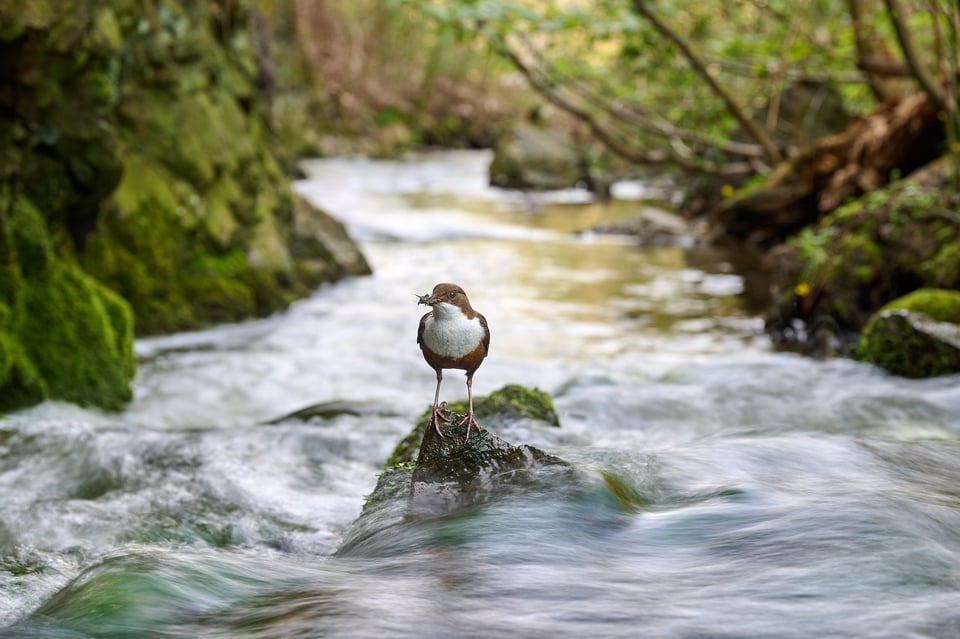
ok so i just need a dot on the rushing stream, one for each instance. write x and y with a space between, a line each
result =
776 496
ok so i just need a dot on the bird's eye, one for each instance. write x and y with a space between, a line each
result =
451 294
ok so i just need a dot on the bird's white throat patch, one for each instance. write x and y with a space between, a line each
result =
450 333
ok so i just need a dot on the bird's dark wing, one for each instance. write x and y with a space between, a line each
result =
486 333
423 322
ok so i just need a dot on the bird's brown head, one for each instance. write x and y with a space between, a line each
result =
446 293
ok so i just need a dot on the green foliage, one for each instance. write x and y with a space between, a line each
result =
612 63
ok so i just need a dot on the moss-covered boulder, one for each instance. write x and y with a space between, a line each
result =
451 474
917 335
510 403
866 254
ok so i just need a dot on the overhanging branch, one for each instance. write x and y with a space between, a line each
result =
699 66
608 138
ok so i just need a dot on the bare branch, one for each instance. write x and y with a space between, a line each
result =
608 138
884 67
756 131
634 114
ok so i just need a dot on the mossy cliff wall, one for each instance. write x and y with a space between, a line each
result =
138 186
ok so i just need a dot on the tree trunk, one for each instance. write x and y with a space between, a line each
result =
870 49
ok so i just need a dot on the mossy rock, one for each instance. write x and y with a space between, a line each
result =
867 253
20 383
937 304
79 335
510 403
452 474
63 335
529 157
142 163
915 336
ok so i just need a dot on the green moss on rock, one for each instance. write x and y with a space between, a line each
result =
138 147
63 335
20 383
937 304
917 335
512 402
79 335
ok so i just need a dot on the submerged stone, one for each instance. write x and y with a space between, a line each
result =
453 471
335 408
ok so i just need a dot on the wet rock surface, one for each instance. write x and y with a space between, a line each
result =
452 473
505 405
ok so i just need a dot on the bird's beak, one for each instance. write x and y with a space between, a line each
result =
427 300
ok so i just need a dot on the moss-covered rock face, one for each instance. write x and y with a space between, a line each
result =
63 335
938 304
917 335
135 133
867 253
203 227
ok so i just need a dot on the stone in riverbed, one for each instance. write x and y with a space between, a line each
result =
451 474
653 227
917 335
532 158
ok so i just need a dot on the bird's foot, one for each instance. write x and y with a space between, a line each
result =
438 417
470 420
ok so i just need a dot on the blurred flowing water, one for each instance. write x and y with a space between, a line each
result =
756 494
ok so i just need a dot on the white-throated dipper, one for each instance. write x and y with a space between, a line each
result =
452 335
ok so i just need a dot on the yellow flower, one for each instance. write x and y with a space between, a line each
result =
802 289
726 190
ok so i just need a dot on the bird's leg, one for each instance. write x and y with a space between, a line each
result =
470 420
437 416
